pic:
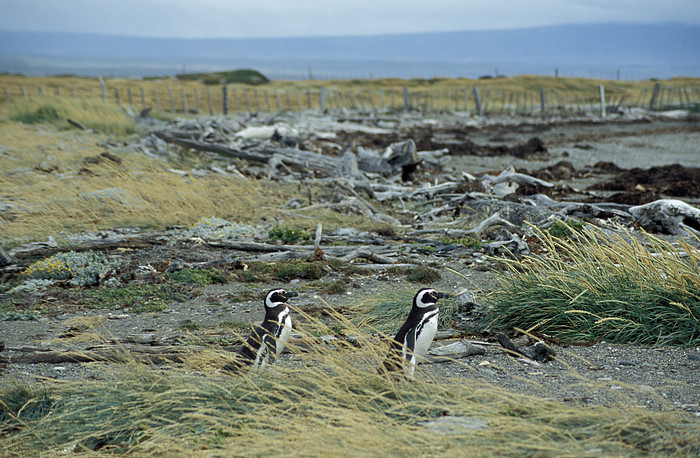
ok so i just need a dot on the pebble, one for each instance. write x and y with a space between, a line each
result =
626 362
694 357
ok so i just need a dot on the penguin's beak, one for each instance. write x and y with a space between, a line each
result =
440 295
290 294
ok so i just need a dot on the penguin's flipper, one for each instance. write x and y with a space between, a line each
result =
410 342
270 347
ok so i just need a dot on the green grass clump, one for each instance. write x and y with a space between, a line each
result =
423 274
143 298
288 235
22 404
200 277
467 241
289 270
565 228
94 115
604 287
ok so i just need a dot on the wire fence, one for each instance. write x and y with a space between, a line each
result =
472 100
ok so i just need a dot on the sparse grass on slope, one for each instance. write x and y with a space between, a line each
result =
331 402
605 286
92 114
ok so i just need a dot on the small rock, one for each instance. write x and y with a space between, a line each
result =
694 357
626 362
451 425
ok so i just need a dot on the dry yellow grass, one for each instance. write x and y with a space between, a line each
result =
291 95
330 401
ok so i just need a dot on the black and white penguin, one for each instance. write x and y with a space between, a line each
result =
268 339
417 333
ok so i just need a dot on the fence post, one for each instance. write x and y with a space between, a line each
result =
224 94
155 96
172 100
184 102
322 99
143 98
477 101
654 95
116 95
542 102
247 99
128 96
197 101
602 101
267 101
405 99
211 107
103 86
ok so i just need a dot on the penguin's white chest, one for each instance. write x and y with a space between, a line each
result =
284 333
425 333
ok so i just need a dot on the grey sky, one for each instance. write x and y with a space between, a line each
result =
275 18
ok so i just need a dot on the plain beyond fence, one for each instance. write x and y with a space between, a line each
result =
470 100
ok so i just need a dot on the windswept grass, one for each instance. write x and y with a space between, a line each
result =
94 115
387 310
330 402
604 286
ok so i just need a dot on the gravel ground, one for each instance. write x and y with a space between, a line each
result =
602 374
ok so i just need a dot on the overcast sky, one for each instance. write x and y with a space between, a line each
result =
279 18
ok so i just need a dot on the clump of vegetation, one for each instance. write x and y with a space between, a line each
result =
288 235
604 287
466 241
337 287
190 326
423 274
565 228
78 268
265 271
94 115
200 277
141 298
243 76
22 404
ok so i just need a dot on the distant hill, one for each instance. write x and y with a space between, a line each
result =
671 49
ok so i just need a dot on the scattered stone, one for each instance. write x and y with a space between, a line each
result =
453 425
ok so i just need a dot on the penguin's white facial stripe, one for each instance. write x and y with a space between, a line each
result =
275 298
426 297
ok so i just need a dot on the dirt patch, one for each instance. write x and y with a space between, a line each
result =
671 180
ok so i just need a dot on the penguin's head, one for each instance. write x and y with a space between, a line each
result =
427 297
277 296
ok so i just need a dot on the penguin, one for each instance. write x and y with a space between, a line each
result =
267 340
417 333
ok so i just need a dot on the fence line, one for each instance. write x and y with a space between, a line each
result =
468 100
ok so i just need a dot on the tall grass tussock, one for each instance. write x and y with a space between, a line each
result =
599 285
328 400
